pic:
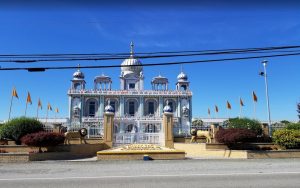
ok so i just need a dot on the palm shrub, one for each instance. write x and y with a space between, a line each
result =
232 136
43 139
287 138
245 123
16 128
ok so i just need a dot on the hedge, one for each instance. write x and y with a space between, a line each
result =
287 139
43 139
16 128
293 126
235 135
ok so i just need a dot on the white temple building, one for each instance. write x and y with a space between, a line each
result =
137 109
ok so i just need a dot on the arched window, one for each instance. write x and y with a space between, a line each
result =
91 107
151 128
131 108
151 108
171 105
129 128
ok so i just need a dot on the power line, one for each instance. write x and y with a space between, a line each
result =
89 57
33 69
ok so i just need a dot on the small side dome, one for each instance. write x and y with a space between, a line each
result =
168 108
78 74
109 108
182 76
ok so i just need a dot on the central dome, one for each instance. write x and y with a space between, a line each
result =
131 64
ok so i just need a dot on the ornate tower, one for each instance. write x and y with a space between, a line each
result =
132 77
78 82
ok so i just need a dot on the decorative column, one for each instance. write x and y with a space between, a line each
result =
101 106
141 106
168 126
161 106
108 125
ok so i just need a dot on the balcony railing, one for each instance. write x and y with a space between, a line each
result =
126 118
131 92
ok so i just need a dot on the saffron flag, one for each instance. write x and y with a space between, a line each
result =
254 96
228 105
56 110
49 107
241 102
14 93
28 100
40 104
216 108
208 111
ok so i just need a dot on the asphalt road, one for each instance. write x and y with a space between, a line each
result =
184 173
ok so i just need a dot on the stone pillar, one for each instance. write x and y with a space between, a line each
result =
108 128
101 106
168 129
141 107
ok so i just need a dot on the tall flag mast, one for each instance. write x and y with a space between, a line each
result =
13 94
28 100
228 108
208 111
39 106
241 107
254 103
48 108
216 111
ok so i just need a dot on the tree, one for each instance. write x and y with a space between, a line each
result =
197 123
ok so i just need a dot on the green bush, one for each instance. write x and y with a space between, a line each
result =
18 127
245 123
293 126
287 139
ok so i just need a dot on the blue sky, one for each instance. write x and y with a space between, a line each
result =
89 29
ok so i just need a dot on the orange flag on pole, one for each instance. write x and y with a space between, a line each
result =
208 111
49 107
14 93
56 110
28 100
228 105
40 104
254 96
216 108
241 102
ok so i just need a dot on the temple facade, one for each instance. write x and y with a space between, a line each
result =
137 109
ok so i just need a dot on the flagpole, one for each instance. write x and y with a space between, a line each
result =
26 108
37 113
10 107
47 115
254 104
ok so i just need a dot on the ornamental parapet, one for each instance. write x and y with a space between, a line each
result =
141 119
130 92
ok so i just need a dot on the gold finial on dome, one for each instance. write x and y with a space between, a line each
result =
78 66
131 49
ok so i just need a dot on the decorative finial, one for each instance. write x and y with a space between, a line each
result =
131 48
181 69
78 67
108 102
167 103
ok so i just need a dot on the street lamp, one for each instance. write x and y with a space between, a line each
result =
264 62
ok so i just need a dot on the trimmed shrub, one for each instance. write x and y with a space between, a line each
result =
235 135
287 139
293 126
245 123
16 128
43 139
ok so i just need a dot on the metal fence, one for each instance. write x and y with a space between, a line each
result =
141 138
